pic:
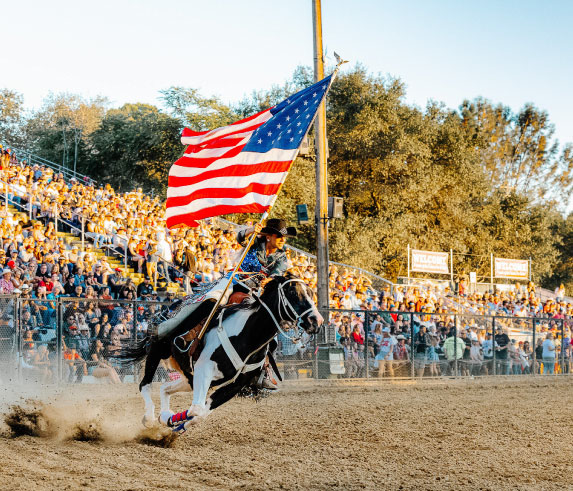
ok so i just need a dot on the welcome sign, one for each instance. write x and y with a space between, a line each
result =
511 268
430 262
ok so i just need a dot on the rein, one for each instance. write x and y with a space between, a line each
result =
286 311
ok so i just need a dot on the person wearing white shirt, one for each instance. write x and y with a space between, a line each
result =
549 355
385 356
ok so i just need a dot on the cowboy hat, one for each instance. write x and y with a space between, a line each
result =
277 226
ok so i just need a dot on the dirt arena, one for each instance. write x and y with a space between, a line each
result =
475 434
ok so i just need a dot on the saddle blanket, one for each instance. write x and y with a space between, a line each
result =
190 304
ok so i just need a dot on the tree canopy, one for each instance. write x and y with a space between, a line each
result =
479 179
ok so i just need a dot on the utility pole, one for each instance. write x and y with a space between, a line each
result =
321 211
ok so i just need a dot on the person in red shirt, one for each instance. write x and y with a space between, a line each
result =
357 336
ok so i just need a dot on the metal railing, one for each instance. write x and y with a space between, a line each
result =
33 159
73 340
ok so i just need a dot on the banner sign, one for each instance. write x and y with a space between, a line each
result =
430 262
511 268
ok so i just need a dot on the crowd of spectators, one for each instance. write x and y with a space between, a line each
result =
390 343
39 265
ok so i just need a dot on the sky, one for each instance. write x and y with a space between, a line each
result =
507 51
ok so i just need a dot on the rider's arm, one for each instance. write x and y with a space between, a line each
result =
244 234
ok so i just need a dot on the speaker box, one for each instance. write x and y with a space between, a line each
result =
335 206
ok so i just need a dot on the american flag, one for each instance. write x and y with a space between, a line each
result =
239 168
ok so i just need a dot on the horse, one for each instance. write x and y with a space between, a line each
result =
233 350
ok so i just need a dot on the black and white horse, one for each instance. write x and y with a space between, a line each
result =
233 351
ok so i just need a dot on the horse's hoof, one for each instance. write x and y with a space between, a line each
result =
180 429
147 421
164 417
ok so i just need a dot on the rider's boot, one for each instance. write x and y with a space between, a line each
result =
266 379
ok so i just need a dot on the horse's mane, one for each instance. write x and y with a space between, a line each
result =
250 304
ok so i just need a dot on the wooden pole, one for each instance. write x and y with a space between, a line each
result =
321 171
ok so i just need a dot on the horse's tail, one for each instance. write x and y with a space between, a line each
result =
135 352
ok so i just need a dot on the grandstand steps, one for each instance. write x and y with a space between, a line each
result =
72 239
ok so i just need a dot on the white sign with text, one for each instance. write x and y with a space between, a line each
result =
430 262
511 268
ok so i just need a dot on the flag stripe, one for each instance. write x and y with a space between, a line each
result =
202 163
201 193
230 172
191 138
214 211
200 204
227 182
244 158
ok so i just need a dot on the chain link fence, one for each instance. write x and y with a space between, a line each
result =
382 344
73 340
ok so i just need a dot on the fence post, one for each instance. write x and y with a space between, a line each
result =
562 355
456 326
125 257
534 359
18 333
134 340
315 367
59 335
493 344
366 333
412 347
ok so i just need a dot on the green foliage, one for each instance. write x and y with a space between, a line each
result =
197 112
135 146
517 150
478 180
61 130
11 117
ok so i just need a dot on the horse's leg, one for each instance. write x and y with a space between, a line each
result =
169 388
218 398
151 363
202 378
224 394
166 391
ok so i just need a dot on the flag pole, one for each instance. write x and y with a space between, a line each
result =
254 235
216 306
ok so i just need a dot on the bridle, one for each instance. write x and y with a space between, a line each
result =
286 311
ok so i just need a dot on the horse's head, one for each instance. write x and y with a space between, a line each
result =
293 300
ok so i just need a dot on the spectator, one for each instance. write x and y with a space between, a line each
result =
501 355
145 289
99 366
454 348
476 358
548 355
385 356
6 285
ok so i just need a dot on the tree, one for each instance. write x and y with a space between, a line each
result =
60 131
11 117
195 111
135 146
518 151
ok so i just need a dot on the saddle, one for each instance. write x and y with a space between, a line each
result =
191 336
